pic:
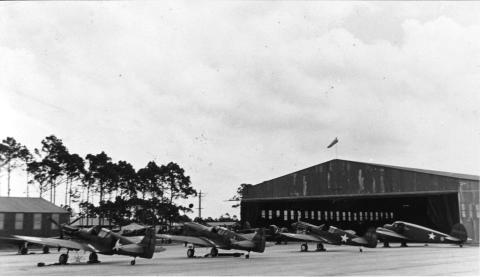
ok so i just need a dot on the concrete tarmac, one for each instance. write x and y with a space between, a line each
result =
277 260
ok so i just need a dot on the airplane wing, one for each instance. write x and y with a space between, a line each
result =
62 243
303 237
188 239
391 234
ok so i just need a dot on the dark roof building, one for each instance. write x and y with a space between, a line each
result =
30 216
357 195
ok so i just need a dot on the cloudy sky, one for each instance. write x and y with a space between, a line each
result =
242 92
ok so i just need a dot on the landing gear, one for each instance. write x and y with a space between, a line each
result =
45 249
190 252
404 244
133 261
386 244
461 245
248 255
361 250
320 247
63 259
23 249
304 247
214 252
93 258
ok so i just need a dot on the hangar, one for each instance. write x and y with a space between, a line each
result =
356 195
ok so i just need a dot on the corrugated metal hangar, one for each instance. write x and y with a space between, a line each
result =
356 195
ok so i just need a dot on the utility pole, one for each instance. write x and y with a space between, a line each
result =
200 194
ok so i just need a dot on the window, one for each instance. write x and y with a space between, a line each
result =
306 214
360 216
344 216
325 215
292 215
371 215
2 221
278 213
319 215
349 216
313 215
285 215
37 221
338 215
270 214
331 215
56 218
263 213
355 216
18 221
376 215
299 215
391 215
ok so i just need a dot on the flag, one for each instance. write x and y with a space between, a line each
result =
333 142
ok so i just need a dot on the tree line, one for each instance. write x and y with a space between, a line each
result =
113 190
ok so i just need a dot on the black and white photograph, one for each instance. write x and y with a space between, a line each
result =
239 138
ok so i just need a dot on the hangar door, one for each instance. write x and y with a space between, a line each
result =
439 211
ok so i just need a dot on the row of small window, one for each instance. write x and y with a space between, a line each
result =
328 215
37 221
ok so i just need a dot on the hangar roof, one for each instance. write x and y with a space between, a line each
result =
28 205
427 171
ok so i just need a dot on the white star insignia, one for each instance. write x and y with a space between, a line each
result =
117 245
344 238
431 236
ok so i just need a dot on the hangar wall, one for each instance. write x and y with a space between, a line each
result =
446 198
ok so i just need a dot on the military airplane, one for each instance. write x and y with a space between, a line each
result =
98 240
331 235
216 237
404 232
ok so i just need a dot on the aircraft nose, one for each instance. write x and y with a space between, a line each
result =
387 226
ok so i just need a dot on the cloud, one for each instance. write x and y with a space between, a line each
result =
244 92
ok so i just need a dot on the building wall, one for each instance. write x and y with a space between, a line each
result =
340 177
46 229
468 199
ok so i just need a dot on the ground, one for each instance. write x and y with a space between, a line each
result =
277 260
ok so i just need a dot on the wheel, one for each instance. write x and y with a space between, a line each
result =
93 257
361 250
386 244
45 249
190 253
320 247
247 256
461 245
404 244
214 252
63 259
132 262
24 250
304 247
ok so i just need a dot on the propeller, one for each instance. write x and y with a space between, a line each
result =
65 227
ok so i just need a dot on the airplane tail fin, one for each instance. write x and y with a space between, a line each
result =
259 240
459 231
371 237
148 242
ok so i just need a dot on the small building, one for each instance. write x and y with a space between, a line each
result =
30 216
357 195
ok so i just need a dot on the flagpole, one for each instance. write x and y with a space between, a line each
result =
336 152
